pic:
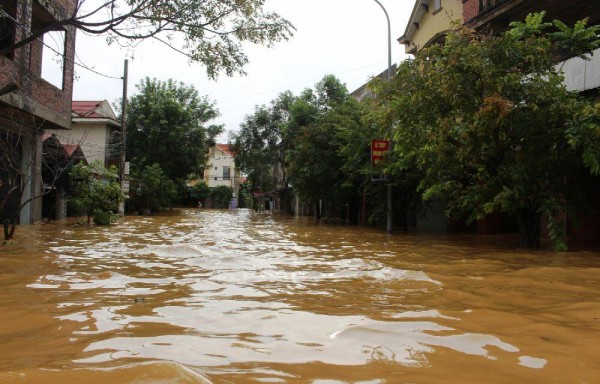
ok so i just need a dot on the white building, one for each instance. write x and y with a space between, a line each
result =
96 129
221 170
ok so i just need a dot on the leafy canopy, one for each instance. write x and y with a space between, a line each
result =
95 191
167 124
484 119
210 32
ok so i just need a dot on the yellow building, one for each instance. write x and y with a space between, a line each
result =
429 22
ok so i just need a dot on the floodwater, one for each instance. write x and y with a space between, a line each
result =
202 296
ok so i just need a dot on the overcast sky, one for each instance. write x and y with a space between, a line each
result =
346 38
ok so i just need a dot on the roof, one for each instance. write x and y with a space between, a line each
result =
86 108
93 109
226 148
70 150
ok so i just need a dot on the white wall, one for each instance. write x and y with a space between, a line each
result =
214 169
581 75
93 139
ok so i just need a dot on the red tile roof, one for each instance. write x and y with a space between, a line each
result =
86 108
225 148
70 148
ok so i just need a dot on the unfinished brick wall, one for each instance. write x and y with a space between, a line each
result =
24 69
470 9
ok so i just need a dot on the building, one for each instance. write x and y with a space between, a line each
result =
96 129
429 21
32 99
498 14
221 170
580 75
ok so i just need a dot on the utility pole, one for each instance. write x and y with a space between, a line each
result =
124 187
390 189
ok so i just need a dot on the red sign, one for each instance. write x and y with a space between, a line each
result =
378 150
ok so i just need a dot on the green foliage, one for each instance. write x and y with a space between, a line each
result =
314 163
95 192
483 120
211 32
584 135
221 196
262 142
201 191
167 125
154 190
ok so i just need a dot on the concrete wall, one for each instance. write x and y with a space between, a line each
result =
582 75
93 137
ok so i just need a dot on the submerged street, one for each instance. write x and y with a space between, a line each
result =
202 296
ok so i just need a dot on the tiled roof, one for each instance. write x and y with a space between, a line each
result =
86 109
70 148
225 148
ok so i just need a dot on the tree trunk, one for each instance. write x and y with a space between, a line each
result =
9 229
530 227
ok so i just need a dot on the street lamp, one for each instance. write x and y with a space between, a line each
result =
389 78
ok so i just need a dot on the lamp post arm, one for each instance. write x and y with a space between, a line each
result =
389 68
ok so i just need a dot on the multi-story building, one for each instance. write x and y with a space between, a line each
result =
31 102
221 170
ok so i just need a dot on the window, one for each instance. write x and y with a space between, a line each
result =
226 173
53 58
487 4
437 5
8 12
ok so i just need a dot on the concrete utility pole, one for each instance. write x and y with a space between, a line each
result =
389 78
123 134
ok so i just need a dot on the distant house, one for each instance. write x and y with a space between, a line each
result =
96 130
32 98
221 170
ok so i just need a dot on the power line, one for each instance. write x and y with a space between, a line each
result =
41 40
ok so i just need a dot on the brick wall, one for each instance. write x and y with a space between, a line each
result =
25 68
470 9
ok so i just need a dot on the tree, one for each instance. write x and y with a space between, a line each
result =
221 196
166 125
96 192
154 190
210 32
315 167
261 144
485 121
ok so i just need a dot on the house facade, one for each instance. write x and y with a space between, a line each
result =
96 129
221 170
429 21
29 102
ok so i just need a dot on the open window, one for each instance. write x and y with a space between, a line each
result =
8 15
47 58
53 58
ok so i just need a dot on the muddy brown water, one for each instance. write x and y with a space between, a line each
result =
204 296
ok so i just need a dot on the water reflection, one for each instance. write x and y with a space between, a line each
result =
215 296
